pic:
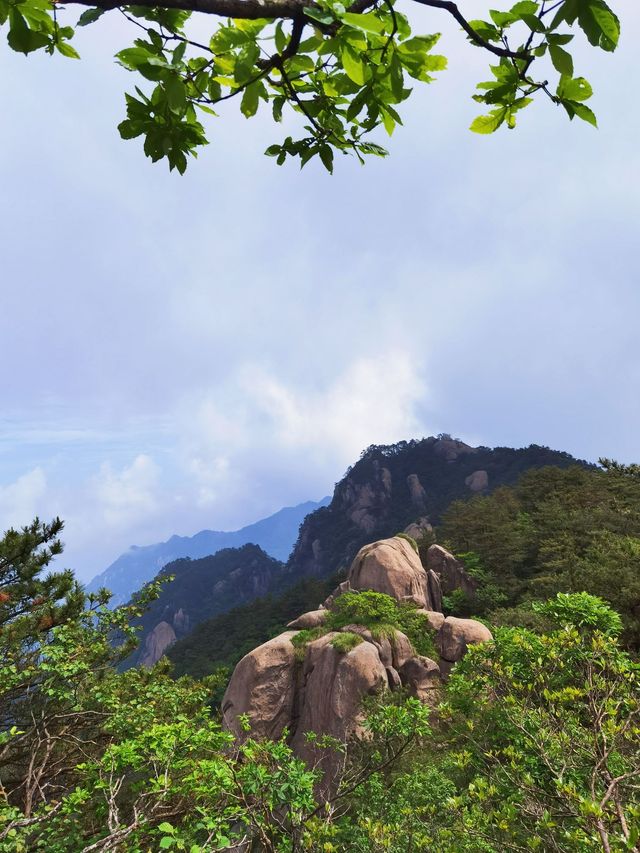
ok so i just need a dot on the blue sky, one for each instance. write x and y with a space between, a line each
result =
179 353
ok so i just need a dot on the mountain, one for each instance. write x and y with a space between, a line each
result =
393 486
275 535
202 589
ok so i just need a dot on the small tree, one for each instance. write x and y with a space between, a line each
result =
546 730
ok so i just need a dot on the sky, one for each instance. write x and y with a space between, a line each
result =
197 352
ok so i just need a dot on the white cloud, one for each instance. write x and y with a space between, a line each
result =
372 401
127 495
260 440
21 500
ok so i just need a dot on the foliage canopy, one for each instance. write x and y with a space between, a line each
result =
535 746
345 70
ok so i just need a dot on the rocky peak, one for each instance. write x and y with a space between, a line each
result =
320 686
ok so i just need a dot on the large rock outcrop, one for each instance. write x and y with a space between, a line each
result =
263 687
456 635
419 528
393 567
478 481
156 643
450 570
319 686
330 695
416 490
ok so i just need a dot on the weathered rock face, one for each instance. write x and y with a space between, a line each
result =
416 490
312 619
421 677
434 590
450 571
456 635
330 697
434 619
451 448
156 643
390 566
419 528
263 687
478 481
365 503
181 621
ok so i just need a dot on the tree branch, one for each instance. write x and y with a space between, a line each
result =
245 9
453 10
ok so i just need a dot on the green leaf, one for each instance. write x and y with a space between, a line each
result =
353 65
485 30
318 15
326 155
66 49
133 57
489 123
369 22
90 17
576 89
502 19
534 23
250 100
562 61
607 22
166 842
167 827
586 114
388 121
525 7
21 38
176 94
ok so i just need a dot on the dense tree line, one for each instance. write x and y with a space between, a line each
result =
555 531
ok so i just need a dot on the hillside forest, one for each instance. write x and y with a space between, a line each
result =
531 742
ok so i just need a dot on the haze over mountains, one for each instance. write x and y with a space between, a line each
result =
275 534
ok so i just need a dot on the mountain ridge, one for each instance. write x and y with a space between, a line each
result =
275 534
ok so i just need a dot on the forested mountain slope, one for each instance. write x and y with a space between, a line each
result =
554 531
389 489
202 589
391 486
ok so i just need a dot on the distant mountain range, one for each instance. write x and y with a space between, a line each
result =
276 535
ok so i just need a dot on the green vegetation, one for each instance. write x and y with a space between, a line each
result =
344 70
383 616
410 540
345 641
555 531
201 589
534 747
222 641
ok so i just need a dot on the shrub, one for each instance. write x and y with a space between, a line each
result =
383 616
304 637
346 641
366 608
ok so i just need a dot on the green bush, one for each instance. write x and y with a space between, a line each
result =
346 641
383 616
366 608
304 637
